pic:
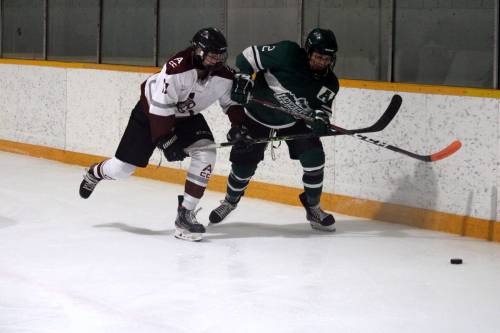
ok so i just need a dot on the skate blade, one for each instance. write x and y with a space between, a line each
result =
186 235
318 226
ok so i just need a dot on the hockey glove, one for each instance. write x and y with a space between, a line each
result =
242 88
240 137
321 122
172 148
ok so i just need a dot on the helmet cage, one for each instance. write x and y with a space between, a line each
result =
322 41
209 40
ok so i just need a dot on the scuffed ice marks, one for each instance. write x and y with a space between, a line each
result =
6 222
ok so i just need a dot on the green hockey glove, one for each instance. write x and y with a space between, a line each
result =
242 88
240 137
321 122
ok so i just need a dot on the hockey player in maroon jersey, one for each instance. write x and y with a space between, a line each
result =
167 116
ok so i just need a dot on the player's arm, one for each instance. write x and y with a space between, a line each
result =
322 115
163 104
163 93
231 108
257 58
248 63
235 112
163 100
327 94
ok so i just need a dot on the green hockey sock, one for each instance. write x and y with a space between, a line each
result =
313 163
238 180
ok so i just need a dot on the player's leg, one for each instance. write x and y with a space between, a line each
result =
111 169
312 158
313 162
237 182
134 150
244 163
194 131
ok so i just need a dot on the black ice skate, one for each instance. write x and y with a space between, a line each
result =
317 217
220 213
186 225
88 183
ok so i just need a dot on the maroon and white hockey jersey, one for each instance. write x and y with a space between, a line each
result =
177 91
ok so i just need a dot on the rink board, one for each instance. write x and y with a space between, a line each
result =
76 113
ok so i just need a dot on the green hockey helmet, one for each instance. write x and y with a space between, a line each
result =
322 41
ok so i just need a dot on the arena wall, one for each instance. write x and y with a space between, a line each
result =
76 113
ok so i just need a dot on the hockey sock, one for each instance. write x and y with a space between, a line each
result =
313 163
96 170
238 180
113 169
189 201
199 172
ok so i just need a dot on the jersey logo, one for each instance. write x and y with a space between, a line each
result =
326 95
187 105
293 103
268 48
175 62
206 172
165 86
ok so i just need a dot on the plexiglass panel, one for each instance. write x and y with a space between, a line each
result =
362 28
22 29
73 29
445 42
181 19
258 22
128 32
441 42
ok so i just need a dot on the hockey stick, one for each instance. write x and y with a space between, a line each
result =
443 153
257 141
379 125
384 120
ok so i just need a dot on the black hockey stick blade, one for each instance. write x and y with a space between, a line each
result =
379 125
385 119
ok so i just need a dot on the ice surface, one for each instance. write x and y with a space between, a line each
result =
111 264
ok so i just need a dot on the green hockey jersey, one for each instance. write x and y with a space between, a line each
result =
283 78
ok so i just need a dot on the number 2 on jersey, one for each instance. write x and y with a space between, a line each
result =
267 48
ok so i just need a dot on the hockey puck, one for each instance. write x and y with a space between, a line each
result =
456 261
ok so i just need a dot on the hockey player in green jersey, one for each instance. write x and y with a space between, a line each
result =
300 80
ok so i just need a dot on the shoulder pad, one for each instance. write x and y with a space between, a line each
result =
289 46
180 62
